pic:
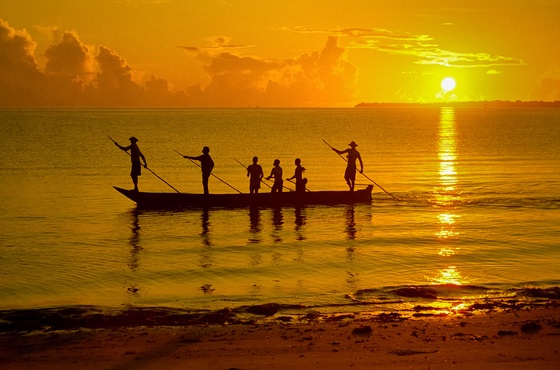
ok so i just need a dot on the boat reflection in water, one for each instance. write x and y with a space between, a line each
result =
241 251
205 228
350 223
447 197
277 222
133 289
255 225
299 214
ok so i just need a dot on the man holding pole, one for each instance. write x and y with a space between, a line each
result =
206 164
353 155
135 155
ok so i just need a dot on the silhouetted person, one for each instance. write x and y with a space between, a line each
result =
256 174
350 173
277 174
298 175
135 155
206 165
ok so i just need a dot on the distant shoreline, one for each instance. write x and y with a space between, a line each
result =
472 104
494 104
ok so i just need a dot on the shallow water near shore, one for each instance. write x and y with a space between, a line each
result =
478 215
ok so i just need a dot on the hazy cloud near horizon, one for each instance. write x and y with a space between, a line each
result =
422 47
80 75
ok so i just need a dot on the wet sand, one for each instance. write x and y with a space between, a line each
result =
522 337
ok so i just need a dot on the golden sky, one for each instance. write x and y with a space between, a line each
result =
302 53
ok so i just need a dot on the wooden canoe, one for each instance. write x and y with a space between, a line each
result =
285 199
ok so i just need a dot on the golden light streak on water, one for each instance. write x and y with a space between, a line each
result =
445 191
446 196
449 275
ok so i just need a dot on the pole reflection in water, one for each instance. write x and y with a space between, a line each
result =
135 250
206 255
134 241
352 279
447 197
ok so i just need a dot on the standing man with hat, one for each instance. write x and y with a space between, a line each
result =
135 155
353 155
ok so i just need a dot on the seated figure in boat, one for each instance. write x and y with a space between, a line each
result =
276 172
298 176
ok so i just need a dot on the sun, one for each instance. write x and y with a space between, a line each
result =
448 83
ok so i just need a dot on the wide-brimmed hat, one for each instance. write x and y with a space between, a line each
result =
353 144
133 139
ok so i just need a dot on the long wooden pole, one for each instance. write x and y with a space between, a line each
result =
210 173
293 182
363 174
155 174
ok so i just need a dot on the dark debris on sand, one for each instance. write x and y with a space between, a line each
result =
90 317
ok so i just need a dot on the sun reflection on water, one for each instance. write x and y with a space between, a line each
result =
449 275
446 197
445 192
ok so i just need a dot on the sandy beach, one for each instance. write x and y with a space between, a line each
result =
527 337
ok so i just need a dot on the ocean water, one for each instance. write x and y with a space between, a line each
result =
478 215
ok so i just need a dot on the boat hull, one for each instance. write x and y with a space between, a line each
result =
285 199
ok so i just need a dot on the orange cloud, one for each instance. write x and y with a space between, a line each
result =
69 59
114 81
363 32
74 75
69 69
218 44
19 72
316 79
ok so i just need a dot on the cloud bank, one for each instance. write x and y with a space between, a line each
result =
74 74
316 79
79 75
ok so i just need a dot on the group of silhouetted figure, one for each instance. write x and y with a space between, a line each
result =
254 171
255 174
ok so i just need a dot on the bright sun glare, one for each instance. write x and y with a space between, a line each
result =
448 84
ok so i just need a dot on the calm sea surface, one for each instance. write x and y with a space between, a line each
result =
479 214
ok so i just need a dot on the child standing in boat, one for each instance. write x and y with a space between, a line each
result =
298 175
276 172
